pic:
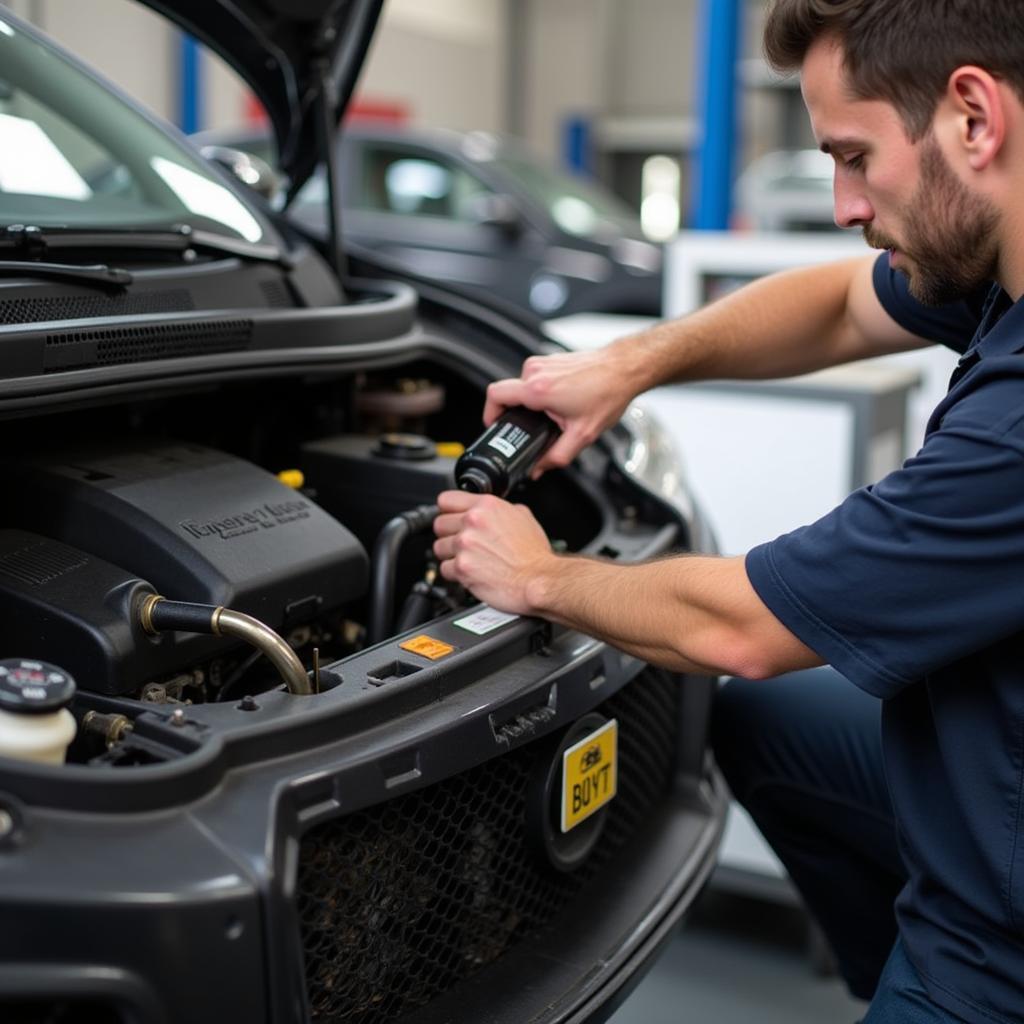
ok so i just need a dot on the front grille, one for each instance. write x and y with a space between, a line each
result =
400 902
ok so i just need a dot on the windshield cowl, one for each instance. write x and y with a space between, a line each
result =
31 241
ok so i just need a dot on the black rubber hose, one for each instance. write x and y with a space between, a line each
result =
384 563
182 615
417 607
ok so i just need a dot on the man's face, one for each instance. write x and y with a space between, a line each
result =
904 195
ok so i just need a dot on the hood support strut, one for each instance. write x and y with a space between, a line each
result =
327 129
334 84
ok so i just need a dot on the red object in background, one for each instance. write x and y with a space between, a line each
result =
364 108
361 109
253 110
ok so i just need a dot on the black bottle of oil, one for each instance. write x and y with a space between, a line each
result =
506 452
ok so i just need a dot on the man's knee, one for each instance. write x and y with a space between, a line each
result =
772 727
737 726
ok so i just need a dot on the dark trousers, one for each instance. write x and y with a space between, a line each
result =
802 753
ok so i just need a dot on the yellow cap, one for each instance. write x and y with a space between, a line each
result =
450 449
291 478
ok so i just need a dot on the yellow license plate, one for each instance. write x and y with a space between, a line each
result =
589 774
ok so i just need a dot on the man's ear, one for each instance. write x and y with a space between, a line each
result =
974 101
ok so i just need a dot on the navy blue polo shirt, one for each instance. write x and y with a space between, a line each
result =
913 588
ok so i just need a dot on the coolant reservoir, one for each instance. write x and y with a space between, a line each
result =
35 724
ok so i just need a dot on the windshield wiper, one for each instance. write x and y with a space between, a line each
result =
37 242
97 273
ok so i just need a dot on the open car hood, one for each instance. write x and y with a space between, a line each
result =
290 52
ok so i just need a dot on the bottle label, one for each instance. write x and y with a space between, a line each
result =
509 440
503 446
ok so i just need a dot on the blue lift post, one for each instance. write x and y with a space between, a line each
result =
190 85
718 40
577 154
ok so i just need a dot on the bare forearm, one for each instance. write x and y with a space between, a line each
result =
684 613
782 325
572 603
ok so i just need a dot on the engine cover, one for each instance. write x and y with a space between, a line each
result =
58 602
198 524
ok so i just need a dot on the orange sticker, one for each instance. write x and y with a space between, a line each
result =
427 646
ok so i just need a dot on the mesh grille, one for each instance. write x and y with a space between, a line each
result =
401 901
110 346
75 307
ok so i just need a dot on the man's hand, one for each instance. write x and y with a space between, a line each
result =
496 550
583 392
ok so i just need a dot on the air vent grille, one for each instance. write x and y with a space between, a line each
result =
79 307
40 563
77 350
276 294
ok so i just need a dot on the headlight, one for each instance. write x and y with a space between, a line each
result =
653 458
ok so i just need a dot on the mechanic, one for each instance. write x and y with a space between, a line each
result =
912 589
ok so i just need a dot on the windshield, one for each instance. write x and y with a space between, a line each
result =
74 154
576 206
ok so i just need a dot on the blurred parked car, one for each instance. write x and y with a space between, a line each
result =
475 211
786 190
258 763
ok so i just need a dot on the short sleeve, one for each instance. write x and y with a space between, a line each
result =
952 325
914 573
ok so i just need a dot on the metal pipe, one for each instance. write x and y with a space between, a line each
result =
158 615
229 623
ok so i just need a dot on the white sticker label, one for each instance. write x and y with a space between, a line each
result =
503 446
484 620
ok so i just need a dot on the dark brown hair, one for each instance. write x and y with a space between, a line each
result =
902 51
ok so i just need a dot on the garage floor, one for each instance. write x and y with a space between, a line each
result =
738 960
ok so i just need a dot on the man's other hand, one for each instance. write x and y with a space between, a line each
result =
496 550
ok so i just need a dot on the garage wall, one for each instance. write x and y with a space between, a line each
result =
444 61
650 66
562 70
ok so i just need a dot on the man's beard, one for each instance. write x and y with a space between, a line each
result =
950 234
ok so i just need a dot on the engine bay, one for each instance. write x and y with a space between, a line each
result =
269 503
